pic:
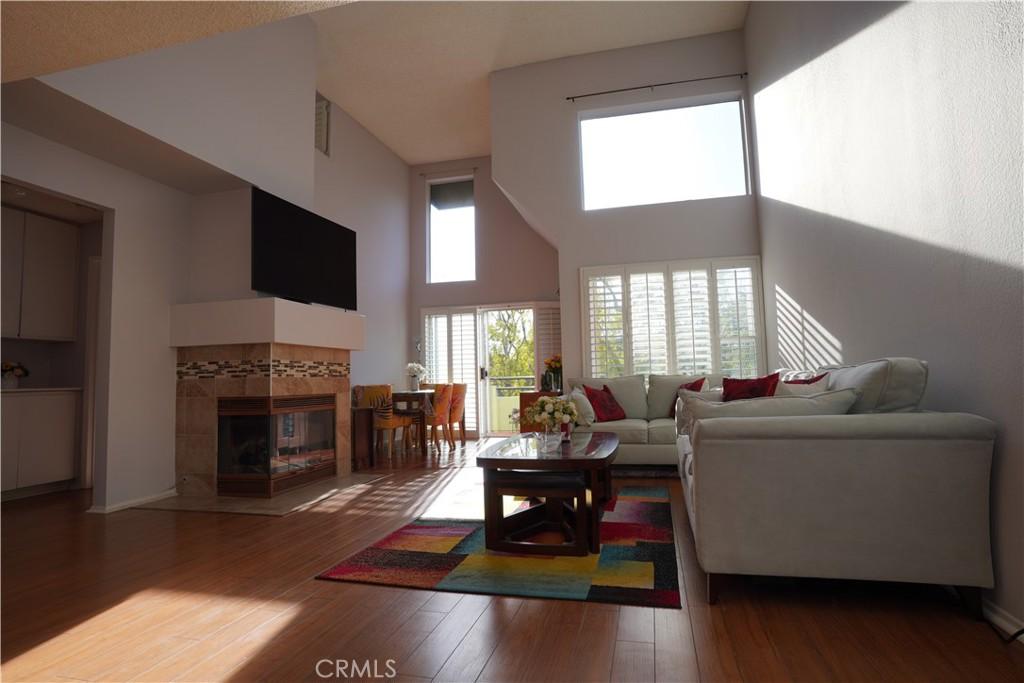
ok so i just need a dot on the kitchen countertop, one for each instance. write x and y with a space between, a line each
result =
30 390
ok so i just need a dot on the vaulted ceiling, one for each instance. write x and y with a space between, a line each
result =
415 74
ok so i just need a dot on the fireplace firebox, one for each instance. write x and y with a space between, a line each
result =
267 445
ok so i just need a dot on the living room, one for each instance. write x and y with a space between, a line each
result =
850 190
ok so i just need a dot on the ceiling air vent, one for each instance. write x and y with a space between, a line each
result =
322 124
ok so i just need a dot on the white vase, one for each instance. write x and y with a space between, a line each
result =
414 383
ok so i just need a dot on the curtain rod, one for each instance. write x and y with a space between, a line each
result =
652 86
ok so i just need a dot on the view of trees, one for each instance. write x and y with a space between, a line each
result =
510 345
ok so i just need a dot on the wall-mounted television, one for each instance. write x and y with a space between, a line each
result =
301 256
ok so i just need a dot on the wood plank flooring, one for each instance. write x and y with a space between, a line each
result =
148 595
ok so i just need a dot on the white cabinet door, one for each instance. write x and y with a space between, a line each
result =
12 249
10 429
49 437
49 288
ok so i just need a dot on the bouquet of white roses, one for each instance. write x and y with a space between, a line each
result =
416 370
552 412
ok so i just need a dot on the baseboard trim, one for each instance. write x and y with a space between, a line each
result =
1005 621
107 509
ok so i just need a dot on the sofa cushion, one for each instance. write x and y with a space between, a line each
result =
829 403
628 431
584 410
661 392
715 395
628 391
888 385
661 430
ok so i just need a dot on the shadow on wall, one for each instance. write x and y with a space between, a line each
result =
850 19
803 342
884 294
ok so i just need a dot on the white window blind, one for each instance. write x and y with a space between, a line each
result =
686 317
691 312
464 365
606 345
435 347
547 321
737 327
647 322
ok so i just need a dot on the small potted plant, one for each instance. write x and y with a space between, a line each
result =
558 415
417 373
11 373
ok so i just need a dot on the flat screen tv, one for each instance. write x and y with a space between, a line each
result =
301 256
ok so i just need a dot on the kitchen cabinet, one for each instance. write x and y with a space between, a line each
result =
39 433
12 250
40 279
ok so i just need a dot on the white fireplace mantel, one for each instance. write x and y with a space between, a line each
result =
266 320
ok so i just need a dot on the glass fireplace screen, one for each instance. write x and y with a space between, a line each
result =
274 445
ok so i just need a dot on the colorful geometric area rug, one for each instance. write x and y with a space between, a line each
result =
636 565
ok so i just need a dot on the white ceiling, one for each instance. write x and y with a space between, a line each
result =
415 74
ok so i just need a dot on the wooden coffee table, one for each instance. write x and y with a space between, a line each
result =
517 466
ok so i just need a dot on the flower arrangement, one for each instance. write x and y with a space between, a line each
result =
552 412
416 370
9 369
551 380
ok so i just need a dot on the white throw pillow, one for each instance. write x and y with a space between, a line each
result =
827 403
786 389
583 407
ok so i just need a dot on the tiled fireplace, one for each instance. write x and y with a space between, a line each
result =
283 363
211 379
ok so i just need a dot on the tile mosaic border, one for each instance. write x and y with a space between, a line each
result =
240 369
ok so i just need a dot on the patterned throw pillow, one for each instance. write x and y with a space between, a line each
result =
606 408
735 389
695 385
803 387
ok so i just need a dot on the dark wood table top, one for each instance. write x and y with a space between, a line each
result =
585 451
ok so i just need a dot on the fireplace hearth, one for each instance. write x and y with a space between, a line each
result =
270 444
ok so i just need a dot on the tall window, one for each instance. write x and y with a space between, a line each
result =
687 317
670 155
451 232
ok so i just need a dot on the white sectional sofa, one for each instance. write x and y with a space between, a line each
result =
648 434
883 493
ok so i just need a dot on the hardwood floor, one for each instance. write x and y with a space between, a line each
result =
150 595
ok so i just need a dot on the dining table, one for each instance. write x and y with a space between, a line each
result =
415 404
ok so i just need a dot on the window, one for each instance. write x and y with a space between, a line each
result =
451 232
671 155
687 317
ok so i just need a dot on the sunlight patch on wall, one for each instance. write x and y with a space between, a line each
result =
804 343
888 129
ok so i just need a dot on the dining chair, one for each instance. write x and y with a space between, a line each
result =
385 421
439 413
457 414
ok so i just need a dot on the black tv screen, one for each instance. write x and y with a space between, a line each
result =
299 255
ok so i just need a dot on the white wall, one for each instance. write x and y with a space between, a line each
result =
513 262
219 249
535 157
364 186
889 145
241 101
143 262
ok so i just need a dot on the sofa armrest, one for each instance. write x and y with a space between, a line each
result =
895 497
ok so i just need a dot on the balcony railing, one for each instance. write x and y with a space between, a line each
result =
503 398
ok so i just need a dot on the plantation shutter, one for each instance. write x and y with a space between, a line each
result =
547 334
737 321
691 311
606 332
435 347
647 322
464 365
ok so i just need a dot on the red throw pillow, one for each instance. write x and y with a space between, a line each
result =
735 389
810 380
695 385
606 408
